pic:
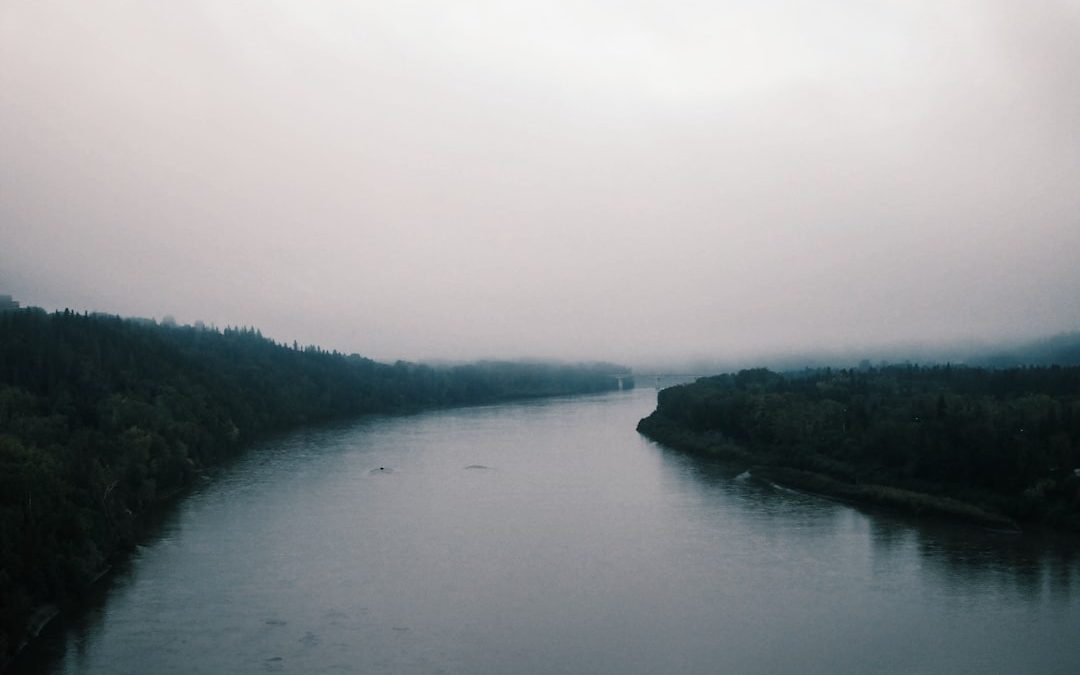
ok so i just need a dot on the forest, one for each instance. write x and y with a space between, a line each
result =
104 419
995 446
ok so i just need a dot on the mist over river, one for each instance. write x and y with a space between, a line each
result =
549 537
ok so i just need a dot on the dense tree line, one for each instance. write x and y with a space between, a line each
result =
1061 350
1005 440
102 419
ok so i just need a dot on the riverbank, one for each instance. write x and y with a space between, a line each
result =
996 447
105 420
768 467
894 499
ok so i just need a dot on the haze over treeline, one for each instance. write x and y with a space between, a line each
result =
629 181
1062 349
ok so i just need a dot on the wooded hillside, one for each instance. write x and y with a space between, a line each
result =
102 419
1007 441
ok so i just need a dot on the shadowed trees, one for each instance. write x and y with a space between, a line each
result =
1006 440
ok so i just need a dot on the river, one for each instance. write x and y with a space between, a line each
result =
549 537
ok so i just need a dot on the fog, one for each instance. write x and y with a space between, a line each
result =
622 180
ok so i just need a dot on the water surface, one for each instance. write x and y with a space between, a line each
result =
549 537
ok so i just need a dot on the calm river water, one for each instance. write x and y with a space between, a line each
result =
548 537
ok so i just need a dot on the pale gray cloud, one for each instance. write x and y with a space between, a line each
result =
587 179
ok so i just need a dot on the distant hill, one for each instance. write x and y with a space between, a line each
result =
104 419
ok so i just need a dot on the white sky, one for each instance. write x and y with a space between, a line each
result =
590 179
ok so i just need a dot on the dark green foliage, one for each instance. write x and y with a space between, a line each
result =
102 419
1005 440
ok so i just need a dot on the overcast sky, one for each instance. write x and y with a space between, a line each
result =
587 179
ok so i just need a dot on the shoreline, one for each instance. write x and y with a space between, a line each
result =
894 499
770 469
148 522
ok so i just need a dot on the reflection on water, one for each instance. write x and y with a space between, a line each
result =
549 537
1034 568
973 600
966 559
